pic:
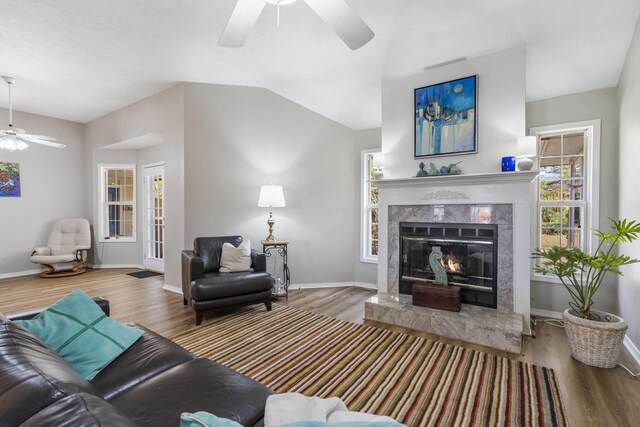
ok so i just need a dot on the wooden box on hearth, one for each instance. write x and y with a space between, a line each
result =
436 296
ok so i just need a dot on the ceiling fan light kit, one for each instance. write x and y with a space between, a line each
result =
337 14
15 139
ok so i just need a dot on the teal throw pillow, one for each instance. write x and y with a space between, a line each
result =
78 330
205 419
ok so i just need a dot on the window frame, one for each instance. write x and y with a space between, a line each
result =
591 175
103 205
365 208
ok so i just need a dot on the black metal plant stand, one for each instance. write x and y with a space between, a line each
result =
280 247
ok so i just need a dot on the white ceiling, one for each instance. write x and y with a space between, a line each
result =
81 59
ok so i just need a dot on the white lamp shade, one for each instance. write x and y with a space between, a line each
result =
527 146
271 196
378 160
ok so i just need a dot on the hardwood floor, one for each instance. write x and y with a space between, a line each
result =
592 396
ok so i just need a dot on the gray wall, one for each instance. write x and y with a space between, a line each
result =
629 203
595 104
239 138
52 188
500 113
163 112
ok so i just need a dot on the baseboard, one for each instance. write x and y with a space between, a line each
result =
141 267
20 273
632 349
173 289
362 285
38 271
546 313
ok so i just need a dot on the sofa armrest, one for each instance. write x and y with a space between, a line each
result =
42 250
258 261
192 269
102 303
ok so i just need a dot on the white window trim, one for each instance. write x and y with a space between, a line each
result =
592 161
364 201
102 203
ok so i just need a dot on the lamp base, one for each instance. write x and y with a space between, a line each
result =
271 222
525 164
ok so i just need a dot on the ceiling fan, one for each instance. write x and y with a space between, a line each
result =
13 139
337 14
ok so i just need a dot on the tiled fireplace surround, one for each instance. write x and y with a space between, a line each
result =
501 199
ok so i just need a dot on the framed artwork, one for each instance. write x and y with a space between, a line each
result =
446 118
9 179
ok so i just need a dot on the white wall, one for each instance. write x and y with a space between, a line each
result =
597 104
500 112
239 138
163 112
629 202
52 188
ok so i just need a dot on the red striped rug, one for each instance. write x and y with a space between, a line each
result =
418 382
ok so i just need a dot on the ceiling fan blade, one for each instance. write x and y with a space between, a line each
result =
344 21
36 139
242 20
43 137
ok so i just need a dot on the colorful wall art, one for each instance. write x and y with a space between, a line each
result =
9 179
446 118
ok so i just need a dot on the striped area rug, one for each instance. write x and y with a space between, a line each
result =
418 382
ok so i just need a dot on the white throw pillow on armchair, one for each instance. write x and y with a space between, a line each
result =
233 260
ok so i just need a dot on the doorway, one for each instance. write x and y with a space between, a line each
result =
153 221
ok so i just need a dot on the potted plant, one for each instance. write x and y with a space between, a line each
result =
595 337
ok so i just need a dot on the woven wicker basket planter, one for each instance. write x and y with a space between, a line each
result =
593 342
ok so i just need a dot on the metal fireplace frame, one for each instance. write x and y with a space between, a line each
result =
451 232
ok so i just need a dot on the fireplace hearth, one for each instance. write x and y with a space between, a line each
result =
470 254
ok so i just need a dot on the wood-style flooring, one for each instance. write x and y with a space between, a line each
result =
592 396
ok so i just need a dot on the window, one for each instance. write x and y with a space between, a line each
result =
117 210
567 188
369 250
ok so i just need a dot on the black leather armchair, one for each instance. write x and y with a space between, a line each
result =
205 288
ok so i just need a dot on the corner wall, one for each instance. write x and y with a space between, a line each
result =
629 203
239 138
163 112
51 185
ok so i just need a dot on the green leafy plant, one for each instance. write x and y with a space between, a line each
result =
581 273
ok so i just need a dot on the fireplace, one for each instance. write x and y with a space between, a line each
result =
470 254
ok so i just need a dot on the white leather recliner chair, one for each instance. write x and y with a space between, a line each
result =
66 250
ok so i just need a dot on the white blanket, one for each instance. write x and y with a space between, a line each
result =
293 407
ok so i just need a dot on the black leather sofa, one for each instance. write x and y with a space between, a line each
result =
150 384
205 288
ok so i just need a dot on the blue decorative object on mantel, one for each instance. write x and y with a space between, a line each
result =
452 169
509 164
421 172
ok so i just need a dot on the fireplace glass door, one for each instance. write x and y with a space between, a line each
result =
469 256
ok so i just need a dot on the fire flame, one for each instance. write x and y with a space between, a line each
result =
450 264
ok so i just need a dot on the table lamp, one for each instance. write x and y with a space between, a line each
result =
271 196
527 147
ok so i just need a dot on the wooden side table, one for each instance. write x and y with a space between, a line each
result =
280 247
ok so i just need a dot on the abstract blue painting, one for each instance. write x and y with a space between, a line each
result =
9 179
446 118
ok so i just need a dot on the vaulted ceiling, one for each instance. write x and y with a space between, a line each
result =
81 59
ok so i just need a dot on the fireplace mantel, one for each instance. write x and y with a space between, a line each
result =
446 180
